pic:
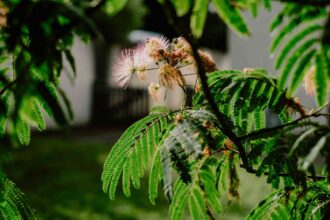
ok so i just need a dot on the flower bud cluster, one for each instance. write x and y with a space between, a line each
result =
158 53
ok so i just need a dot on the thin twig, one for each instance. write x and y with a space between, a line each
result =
189 74
178 67
267 130
286 174
223 149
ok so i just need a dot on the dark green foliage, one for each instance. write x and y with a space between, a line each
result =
13 202
295 148
312 143
34 42
4 108
27 109
310 203
35 38
50 98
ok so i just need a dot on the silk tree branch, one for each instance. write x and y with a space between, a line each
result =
317 178
272 129
225 124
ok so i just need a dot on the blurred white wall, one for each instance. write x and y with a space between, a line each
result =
78 90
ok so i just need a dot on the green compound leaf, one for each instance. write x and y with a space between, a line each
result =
13 204
321 78
198 17
132 152
182 7
231 16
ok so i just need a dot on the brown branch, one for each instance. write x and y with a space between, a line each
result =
224 149
254 171
225 124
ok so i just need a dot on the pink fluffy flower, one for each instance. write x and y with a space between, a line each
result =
141 61
140 58
128 63
124 68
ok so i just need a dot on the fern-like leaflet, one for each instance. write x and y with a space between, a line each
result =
310 203
22 107
13 204
245 96
201 194
305 50
131 154
312 143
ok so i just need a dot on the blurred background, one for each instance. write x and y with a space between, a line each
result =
60 171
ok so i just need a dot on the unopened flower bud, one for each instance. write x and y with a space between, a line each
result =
153 90
181 44
206 151
248 70
207 61
155 48
178 118
309 81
